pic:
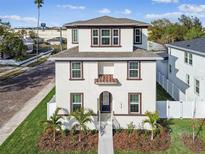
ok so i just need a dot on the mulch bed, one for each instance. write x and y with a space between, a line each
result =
140 141
197 146
68 142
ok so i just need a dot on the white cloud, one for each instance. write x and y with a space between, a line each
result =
191 8
19 18
163 15
104 11
126 12
166 1
71 7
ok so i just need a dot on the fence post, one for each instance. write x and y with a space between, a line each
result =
181 102
173 91
167 102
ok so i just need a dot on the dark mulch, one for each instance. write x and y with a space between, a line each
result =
68 142
140 141
197 146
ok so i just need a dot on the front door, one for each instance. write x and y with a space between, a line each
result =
105 102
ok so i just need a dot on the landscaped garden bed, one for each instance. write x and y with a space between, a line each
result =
69 142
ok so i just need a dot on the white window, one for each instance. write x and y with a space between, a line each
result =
137 36
74 36
133 70
105 37
197 86
188 58
187 79
134 102
76 70
115 37
76 101
95 37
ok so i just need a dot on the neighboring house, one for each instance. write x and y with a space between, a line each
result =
186 67
108 70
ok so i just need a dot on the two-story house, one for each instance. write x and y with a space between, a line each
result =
107 69
186 67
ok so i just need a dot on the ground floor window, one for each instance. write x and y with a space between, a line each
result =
76 101
134 102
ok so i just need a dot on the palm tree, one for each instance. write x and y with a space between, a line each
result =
82 117
152 121
54 123
39 4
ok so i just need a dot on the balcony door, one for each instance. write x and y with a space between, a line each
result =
105 102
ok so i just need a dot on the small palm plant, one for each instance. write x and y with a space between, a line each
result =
54 123
152 121
82 117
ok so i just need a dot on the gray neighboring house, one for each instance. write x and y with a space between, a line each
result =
186 61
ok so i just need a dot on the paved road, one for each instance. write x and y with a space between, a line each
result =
15 92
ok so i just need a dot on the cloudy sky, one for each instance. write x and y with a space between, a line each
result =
23 13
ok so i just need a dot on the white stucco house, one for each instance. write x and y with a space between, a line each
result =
186 63
108 70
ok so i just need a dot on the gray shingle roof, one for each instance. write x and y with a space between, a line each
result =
195 45
74 54
107 21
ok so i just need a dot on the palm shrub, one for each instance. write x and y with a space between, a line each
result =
153 117
54 123
130 127
82 117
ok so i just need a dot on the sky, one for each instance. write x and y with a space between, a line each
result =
23 13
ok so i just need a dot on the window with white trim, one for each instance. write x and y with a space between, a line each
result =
133 70
134 102
74 36
105 37
197 86
76 70
115 37
95 37
76 101
187 79
137 36
188 58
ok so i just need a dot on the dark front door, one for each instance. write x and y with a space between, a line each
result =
105 98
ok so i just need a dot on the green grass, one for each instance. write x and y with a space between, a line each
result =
162 95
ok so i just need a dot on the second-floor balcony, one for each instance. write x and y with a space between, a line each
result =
106 79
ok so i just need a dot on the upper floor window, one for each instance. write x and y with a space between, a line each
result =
134 102
188 58
76 70
74 36
133 70
105 37
197 86
76 101
137 36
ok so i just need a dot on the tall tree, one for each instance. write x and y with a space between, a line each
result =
39 4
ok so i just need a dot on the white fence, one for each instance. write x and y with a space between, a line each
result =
51 107
171 88
179 109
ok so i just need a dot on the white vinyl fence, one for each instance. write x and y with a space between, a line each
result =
179 109
170 88
51 107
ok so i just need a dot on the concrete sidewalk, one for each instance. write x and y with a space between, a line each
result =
19 117
105 143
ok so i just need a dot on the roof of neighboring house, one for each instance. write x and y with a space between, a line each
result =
195 46
74 54
107 21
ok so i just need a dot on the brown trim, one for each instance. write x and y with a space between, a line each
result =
71 94
135 36
72 35
138 78
82 70
140 95
111 38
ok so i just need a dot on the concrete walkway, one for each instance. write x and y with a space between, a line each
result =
19 117
105 143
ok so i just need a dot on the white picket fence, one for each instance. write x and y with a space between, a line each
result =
180 109
170 88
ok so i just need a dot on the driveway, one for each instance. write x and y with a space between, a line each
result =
15 92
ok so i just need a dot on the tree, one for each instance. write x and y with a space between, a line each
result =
194 33
54 123
82 117
32 34
190 22
39 4
152 121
